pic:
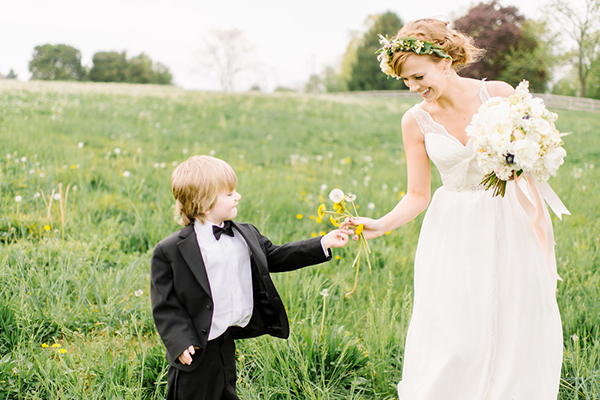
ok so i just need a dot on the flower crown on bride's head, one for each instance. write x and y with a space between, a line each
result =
417 46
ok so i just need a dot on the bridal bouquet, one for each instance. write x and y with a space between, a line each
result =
339 214
515 134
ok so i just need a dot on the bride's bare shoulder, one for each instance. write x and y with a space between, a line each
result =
499 88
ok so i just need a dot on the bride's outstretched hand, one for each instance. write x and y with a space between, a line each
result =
370 227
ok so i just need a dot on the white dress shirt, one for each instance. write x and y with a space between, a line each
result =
227 263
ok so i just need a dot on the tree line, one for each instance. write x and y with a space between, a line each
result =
63 62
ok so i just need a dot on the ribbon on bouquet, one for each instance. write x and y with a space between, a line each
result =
532 195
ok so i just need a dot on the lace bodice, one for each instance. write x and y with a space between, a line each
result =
457 163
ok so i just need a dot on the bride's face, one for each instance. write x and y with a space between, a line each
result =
425 76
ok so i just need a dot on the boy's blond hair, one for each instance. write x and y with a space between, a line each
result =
196 184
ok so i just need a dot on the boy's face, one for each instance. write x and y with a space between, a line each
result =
225 207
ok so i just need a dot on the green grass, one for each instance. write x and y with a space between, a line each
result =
75 319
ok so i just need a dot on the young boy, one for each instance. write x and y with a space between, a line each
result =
210 281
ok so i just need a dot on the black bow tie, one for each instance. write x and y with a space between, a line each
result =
226 229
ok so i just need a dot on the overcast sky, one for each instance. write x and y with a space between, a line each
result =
289 40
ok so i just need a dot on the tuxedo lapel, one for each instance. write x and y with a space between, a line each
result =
190 251
254 245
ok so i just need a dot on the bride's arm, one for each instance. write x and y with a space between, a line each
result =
418 192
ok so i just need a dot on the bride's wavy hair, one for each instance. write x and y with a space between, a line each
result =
455 43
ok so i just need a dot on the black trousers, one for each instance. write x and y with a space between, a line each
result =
214 377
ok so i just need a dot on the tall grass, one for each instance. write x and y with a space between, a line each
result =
91 167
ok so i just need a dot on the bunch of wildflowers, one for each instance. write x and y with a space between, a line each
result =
339 214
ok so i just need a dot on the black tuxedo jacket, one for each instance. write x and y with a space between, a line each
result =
180 292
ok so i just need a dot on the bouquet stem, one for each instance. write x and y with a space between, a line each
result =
491 181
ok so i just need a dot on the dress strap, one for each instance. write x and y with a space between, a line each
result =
483 93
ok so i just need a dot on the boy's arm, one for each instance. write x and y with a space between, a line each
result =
295 255
172 321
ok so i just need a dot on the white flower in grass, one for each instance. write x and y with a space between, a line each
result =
23 159
80 145
324 292
126 174
351 197
371 206
18 199
139 292
118 150
185 151
56 196
323 187
336 195
575 338
36 195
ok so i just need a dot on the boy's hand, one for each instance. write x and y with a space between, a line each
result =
186 356
335 238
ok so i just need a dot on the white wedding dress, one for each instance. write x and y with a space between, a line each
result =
485 322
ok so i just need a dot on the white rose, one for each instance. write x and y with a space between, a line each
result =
553 159
526 153
336 195
543 127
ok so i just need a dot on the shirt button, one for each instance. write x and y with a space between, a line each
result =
204 331
209 306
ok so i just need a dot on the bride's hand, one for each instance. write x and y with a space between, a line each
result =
371 227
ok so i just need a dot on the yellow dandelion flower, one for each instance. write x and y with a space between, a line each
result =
319 220
322 233
73 166
312 217
337 257
337 207
333 221
321 211
44 345
55 345
303 193
359 229
314 234
299 216
388 232
47 227
63 351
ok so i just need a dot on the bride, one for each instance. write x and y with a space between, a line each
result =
485 322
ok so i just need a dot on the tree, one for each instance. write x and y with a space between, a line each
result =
56 63
496 29
115 67
109 66
580 21
225 55
531 58
11 75
365 73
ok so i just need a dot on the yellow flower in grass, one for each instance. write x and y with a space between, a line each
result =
63 351
299 216
56 345
44 345
47 227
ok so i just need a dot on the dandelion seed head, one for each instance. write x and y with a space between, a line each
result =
126 174
80 145
56 196
18 199
118 150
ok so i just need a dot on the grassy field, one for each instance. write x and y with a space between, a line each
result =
85 195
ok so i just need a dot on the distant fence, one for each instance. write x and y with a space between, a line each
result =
551 100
